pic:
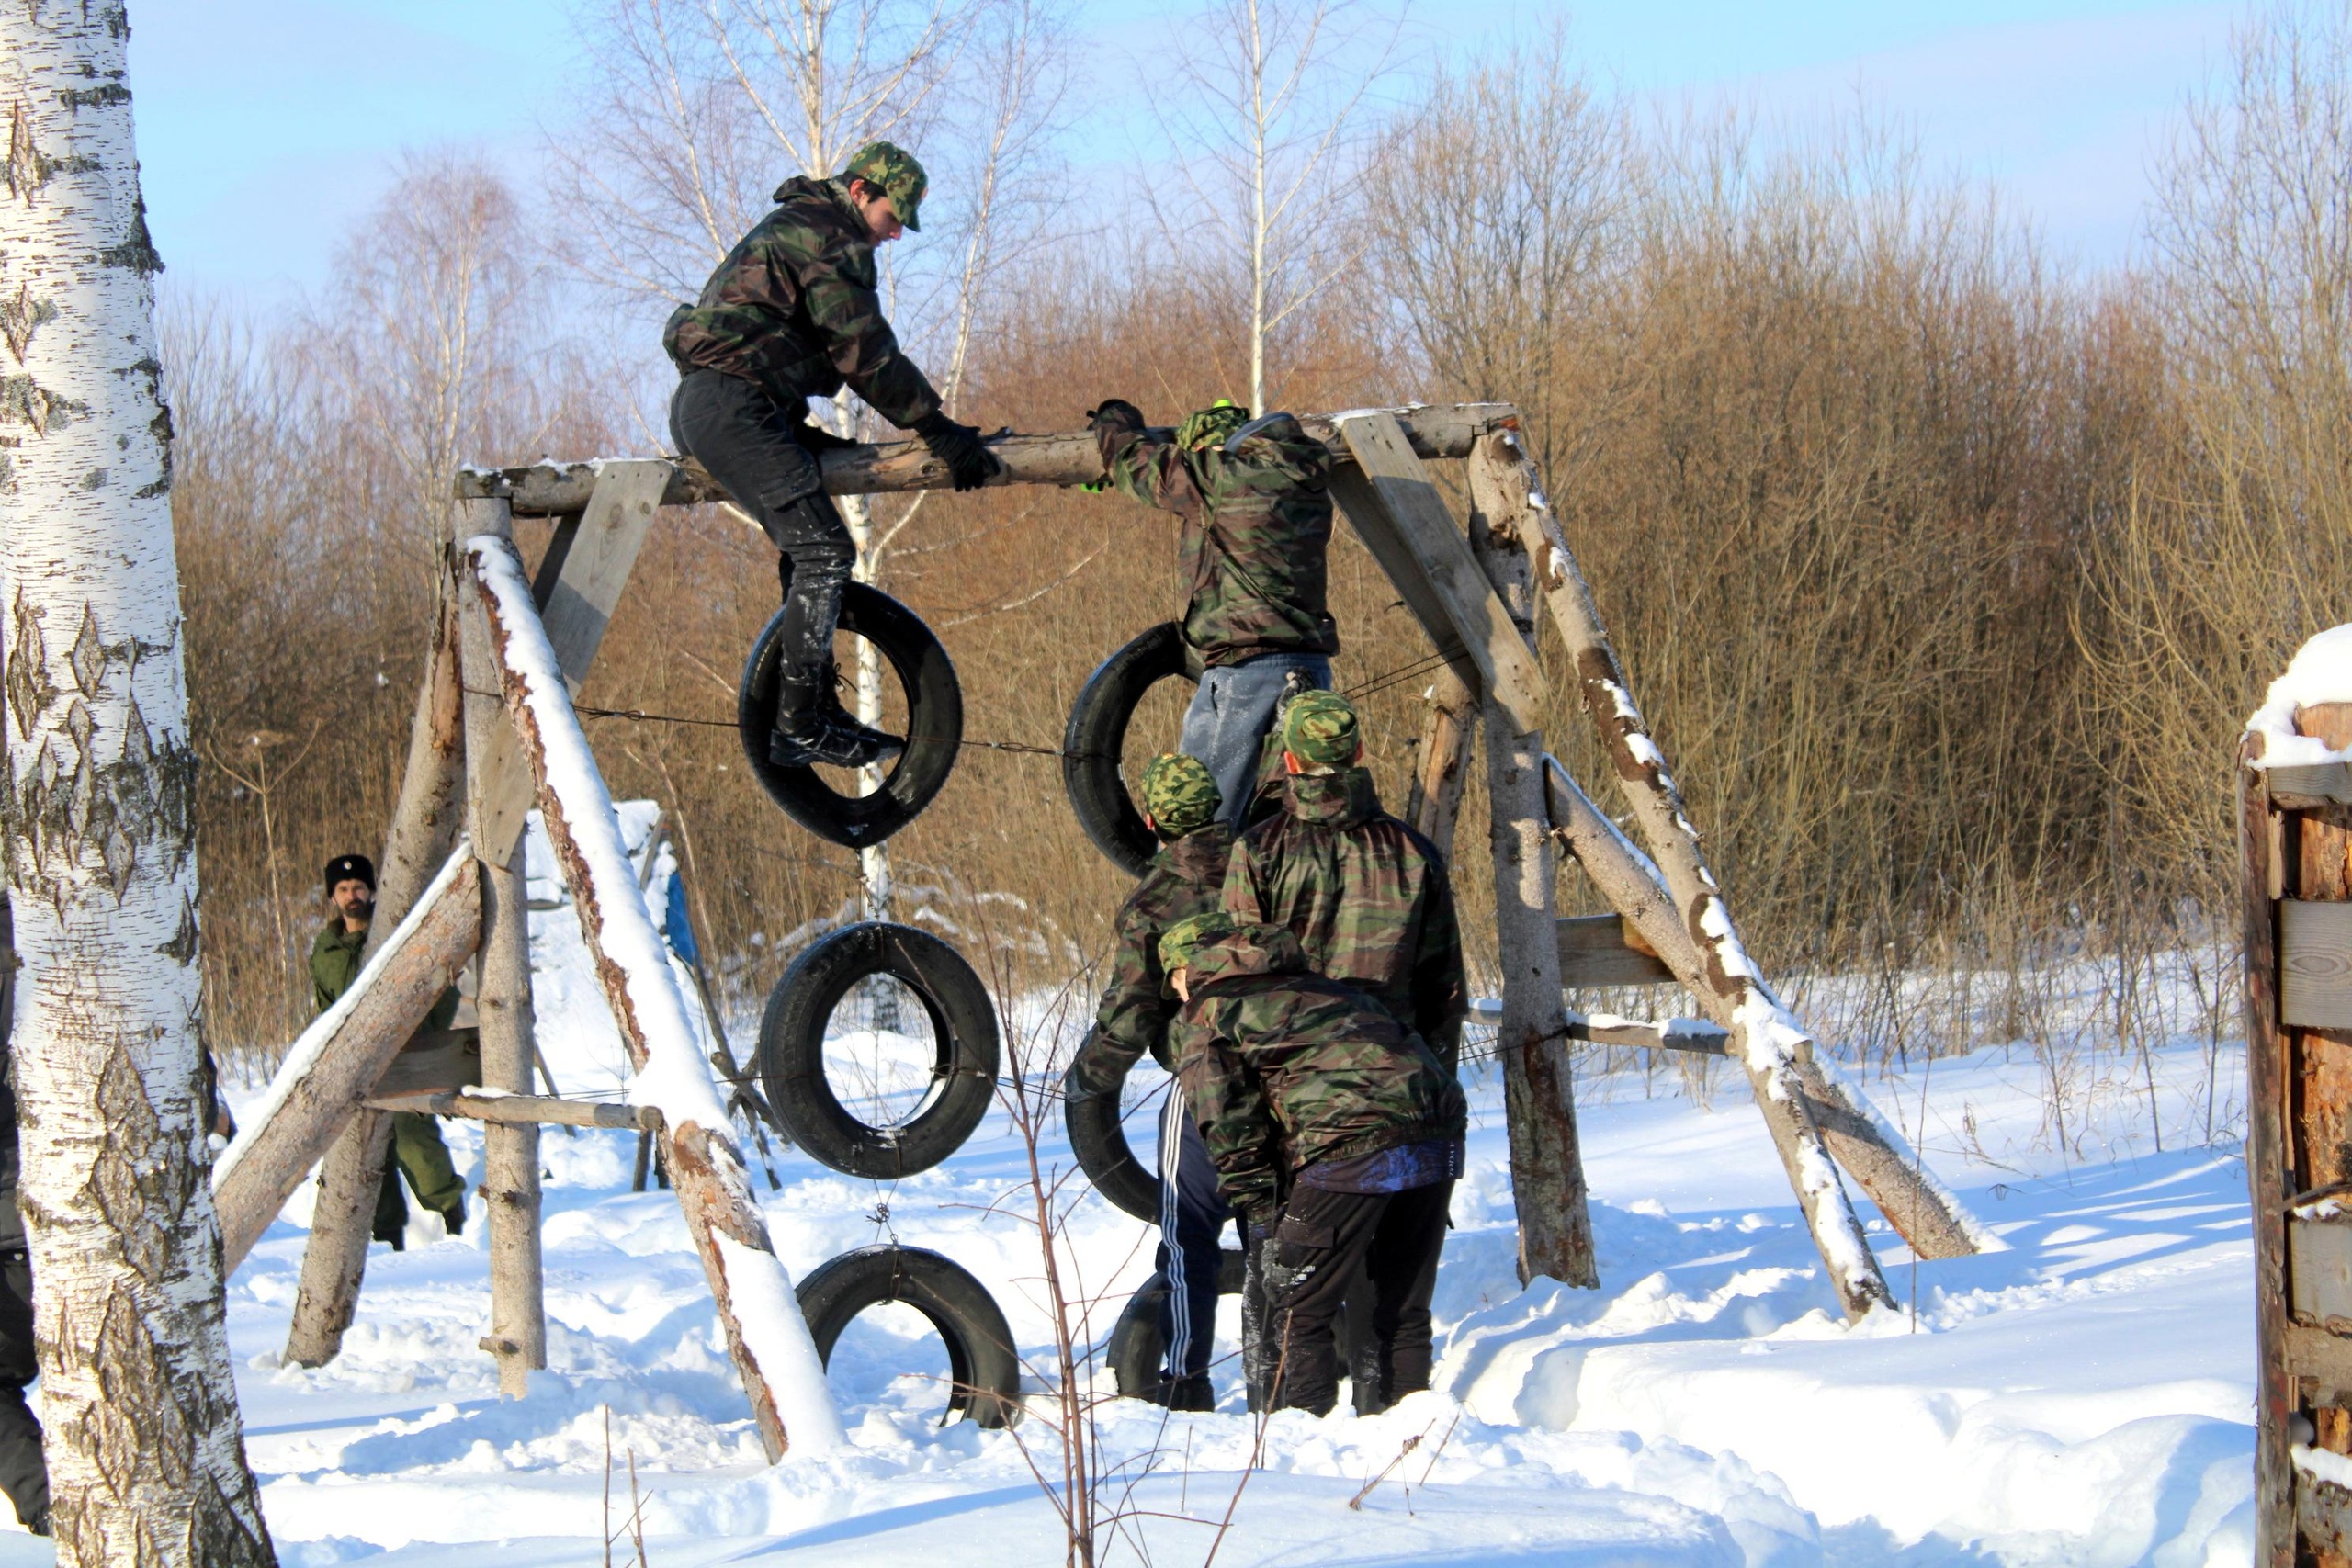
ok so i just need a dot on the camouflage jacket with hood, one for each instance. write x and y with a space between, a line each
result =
1283 1068
793 309
1257 518
1366 896
1184 880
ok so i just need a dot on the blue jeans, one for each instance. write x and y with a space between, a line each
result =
1225 726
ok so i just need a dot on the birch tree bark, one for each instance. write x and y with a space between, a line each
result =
146 1452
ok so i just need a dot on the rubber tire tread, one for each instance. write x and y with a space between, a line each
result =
1094 741
792 1050
934 725
1137 1347
980 1356
1099 1139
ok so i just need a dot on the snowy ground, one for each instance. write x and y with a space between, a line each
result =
2083 1397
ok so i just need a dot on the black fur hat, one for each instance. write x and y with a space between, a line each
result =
351 868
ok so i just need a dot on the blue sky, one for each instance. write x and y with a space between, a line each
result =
266 125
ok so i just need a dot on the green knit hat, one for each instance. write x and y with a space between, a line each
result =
1180 793
892 170
1211 425
1187 937
1319 729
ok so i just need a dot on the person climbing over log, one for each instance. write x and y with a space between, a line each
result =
1367 896
1256 505
1181 806
417 1147
792 315
1337 1136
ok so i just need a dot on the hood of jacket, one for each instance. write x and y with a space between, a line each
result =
1251 950
1200 856
1340 798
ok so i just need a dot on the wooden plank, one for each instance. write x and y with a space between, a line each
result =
1595 951
1433 801
535 1108
2319 1269
336 1063
1069 458
1689 1035
1410 508
2316 1361
2320 784
2314 964
1368 515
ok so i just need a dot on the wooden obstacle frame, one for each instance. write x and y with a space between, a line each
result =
486 725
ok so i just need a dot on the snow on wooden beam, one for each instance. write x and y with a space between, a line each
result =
339 1058
765 1334
484 1105
1445 430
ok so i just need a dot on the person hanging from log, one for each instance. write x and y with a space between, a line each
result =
1182 807
1255 501
1367 896
1337 1135
417 1147
791 314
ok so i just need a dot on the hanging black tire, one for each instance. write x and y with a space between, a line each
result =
1137 1347
980 1357
1097 1137
792 1050
934 725
1094 741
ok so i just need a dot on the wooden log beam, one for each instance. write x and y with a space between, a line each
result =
538 1110
1688 1034
1065 460
510 1184
1441 763
2268 1161
1504 487
766 1337
335 1065
1530 1038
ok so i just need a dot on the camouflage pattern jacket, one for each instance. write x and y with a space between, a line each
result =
1182 880
1366 896
1282 1068
793 309
1256 526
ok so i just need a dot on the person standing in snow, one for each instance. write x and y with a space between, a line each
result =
1181 805
417 1147
1256 506
1337 1136
792 315
1366 896
24 1473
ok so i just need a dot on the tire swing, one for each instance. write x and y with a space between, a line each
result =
1094 742
792 1050
934 725
1099 1138
1137 1347
980 1343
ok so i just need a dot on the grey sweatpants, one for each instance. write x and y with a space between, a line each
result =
1231 713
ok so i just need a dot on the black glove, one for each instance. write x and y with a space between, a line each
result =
816 438
969 464
1115 411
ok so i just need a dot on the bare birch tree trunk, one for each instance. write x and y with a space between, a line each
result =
146 1452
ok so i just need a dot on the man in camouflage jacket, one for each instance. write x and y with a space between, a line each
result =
1366 896
1257 526
792 315
1181 802
1337 1136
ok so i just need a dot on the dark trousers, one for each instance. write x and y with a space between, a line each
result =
750 444
1306 1269
1193 1219
24 1475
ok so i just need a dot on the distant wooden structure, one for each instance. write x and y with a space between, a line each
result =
1479 592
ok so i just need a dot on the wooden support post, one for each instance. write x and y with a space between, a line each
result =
336 1064
2267 1161
1442 765
510 1187
1504 489
766 1337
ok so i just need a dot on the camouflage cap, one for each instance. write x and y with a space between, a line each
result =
1180 793
1319 729
1211 425
891 169
1187 937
